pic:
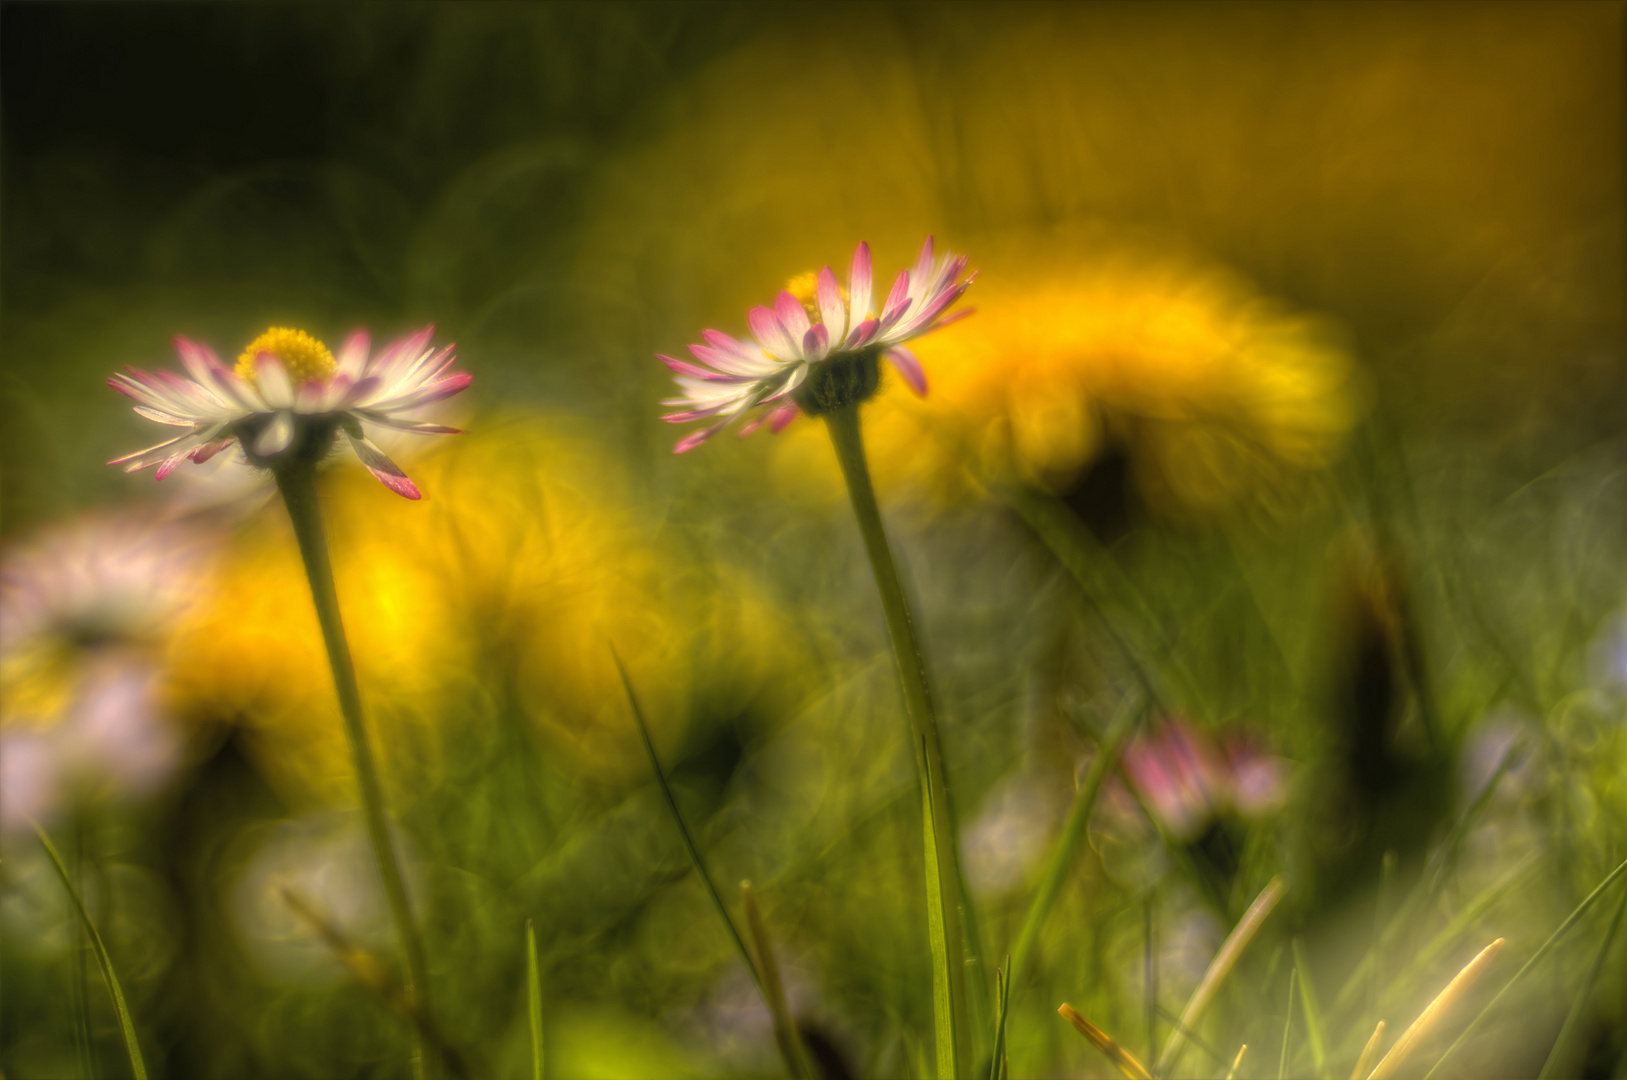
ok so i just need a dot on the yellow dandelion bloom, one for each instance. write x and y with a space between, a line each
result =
1212 391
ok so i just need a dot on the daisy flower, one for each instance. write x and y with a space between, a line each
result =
86 610
288 398
817 352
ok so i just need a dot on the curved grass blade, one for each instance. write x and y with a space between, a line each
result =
1101 1040
695 859
366 969
1431 1016
1547 946
1368 1052
1288 1023
533 993
127 1026
786 1035
1557 1054
1073 836
1313 1012
1219 968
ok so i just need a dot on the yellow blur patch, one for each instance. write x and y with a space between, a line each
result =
1214 392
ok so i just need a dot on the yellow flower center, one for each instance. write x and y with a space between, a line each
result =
305 358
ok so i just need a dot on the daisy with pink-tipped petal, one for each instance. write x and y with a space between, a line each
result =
812 352
819 354
288 397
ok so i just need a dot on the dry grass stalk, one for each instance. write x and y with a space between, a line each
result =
1431 1016
1367 1052
1237 1061
1102 1041
1219 968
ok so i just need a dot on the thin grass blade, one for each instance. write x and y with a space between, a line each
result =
1002 988
1237 1062
1219 968
533 993
367 970
1288 1023
1072 838
127 1026
1434 1011
1547 946
786 1036
1368 1052
943 1013
1101 1040
695 859
1557 1054
1311 1009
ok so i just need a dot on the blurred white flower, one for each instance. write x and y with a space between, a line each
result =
84 609
326 863
1010 835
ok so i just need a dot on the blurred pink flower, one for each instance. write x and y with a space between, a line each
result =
288 392
734 378
1187 780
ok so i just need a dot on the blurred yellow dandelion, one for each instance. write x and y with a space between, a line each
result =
1211 391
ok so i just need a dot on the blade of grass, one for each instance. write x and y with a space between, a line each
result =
1072 838
1368 1052
1237 1061
695 859
127 1026
533 993
367 970
1002 987
1196 1039
1125 613
1288 1023
1425 890
1312 1011
1149 976
81 978
1101 1040
786 1036
1547 946
1477 907
943 1013
1219 968
1557 1054
1433 1012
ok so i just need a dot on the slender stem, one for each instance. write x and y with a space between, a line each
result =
848 441
297 482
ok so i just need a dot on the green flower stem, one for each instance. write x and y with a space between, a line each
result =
297 482
949 981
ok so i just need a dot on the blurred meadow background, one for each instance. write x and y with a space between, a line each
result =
1266 522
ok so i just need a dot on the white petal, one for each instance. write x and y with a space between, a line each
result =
275 388
276 436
